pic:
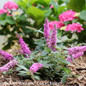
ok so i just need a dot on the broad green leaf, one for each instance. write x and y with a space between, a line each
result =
2 22
44 2
36 14
48 12
76 5
61 9
23 67
23 3
44 53
83 15
31 2
10 20
37 77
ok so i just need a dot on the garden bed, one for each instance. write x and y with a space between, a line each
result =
79 69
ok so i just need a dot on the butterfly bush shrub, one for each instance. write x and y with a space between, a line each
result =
45 62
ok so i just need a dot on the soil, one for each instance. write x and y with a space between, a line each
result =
78 68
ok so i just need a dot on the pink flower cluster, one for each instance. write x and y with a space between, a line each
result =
58 24
9 65
67 16
76 52
10 5
3 11
74 27
53 39
35 67
6 55
25 50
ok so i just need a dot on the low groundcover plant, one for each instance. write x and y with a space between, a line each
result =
47 62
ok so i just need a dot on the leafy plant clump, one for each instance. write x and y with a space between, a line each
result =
54 64
41 64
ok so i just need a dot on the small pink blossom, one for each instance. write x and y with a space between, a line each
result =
74 27
67 16
58 24
51 6
3 11
35 67
10 5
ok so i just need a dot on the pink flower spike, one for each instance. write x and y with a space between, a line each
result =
10 5
53 39
9 65
6 55
46 29
35 67
25 49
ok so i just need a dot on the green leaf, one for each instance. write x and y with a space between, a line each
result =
36 14
22 74
76 5
61 9
3 16
23 67
64 78
18 69
44 53
2 22
44 2
37 77
23 3
31 2
48 12
10 20
83 15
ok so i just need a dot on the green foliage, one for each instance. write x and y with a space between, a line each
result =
54 63
36 14
83 15
76 5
